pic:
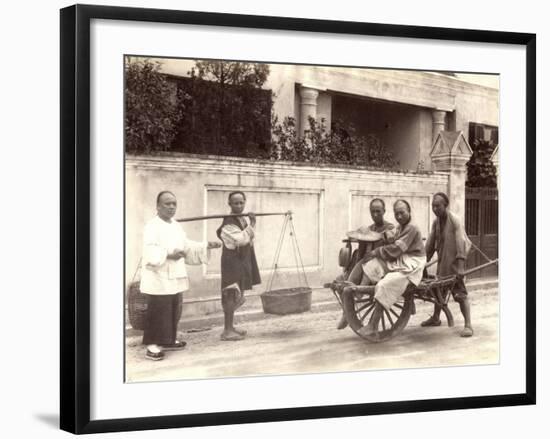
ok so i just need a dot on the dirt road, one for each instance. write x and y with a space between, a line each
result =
309 342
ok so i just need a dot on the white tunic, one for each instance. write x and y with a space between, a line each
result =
233 237
160 275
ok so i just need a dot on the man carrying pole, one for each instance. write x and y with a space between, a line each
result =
239 268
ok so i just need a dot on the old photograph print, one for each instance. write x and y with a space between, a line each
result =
298 219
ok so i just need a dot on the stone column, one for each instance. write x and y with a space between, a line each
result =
438 117
308 106
453 159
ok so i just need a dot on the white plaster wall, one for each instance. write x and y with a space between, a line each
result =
326 201
476 107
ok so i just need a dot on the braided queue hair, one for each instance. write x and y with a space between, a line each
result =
443 196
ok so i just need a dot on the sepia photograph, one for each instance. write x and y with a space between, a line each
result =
284 219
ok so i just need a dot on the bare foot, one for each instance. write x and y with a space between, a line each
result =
467 332
343 322
230 335
367 330
240 331
432 321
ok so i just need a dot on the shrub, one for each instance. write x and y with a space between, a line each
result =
341 145
222 109
151 113
481 170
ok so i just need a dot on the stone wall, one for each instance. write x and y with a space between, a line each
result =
326 202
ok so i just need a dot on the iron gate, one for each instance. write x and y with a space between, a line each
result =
482 227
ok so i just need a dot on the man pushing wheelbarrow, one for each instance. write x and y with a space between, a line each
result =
378 296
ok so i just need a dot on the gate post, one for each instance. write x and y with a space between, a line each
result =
450 153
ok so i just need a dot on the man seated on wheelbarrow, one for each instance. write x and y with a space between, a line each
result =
369 238
377 209
393 266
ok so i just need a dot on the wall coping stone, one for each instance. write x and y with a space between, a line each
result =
212 163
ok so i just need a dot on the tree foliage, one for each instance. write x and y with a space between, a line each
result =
225 110
151 113
481 170
221 108
318 145
233 73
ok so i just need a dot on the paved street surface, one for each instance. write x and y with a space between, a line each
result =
309 342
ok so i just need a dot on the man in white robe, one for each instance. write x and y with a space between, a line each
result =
166 251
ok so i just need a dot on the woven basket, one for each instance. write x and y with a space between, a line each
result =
287 300
344 257
137 306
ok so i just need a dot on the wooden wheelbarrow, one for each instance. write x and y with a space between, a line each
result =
357 302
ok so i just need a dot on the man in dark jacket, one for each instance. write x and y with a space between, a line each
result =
239 267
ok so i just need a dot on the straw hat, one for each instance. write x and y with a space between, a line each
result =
365 234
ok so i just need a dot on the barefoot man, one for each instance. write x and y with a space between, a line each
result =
393 266
238 265
451 243
370 237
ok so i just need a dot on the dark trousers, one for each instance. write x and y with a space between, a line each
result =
163 315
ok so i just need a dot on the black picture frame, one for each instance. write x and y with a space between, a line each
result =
75 217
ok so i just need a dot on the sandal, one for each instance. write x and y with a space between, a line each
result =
431 322
176 346
467 332
155 356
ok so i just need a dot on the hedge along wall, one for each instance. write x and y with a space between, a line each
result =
326 202
228 120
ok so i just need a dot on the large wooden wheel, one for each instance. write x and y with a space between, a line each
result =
359 305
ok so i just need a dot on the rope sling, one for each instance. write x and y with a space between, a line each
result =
287 300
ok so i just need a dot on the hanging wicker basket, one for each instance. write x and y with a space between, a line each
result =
137 306
344 257
287 300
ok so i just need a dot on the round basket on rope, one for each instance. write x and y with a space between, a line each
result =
137 306
291 300
286 300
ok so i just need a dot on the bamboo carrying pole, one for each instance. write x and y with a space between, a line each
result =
225 215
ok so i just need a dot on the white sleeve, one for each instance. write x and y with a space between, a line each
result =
196 253
232 236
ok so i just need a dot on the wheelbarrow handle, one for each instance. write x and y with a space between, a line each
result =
471 270
480 267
